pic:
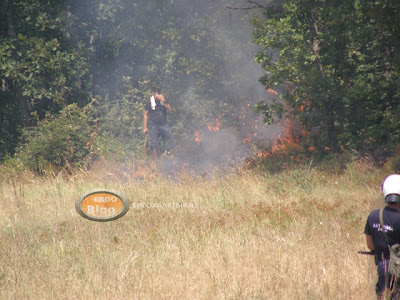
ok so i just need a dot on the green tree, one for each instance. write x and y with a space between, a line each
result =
336 63
373 89
38 71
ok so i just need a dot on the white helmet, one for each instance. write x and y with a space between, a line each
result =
391 188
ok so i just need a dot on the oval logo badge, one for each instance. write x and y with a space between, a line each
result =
102 205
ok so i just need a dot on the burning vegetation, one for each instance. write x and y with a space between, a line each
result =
258 145
216 144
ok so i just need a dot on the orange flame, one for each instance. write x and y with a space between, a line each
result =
215 126
197 137
246 140
289 139
251 123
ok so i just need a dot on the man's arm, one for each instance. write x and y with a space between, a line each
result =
370 242
145 118
160 97
162 100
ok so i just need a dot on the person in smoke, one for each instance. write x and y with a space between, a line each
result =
376 240
155 122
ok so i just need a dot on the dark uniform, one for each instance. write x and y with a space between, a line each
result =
391 224
157 124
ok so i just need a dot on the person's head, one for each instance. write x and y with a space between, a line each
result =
391 189
155 90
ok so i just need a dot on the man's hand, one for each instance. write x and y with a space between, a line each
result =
162 100
145 130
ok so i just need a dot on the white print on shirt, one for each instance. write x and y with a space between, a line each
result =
386 227
153 103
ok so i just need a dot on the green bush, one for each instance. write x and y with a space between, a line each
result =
120 129
59 141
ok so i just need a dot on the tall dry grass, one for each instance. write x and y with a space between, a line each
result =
293 235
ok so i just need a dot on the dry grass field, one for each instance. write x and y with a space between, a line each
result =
246 235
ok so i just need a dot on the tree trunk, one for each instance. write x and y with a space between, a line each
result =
329 110
10 20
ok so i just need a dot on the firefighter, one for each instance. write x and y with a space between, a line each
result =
376 240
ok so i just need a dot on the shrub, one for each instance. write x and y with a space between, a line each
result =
120 129
59 141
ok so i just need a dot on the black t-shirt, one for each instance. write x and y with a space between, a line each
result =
391 224
157 116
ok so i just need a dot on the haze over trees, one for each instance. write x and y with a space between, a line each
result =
74 74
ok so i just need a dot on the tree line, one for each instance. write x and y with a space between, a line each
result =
74 74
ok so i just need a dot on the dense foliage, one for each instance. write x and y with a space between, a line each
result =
40 71
335 64
338 67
